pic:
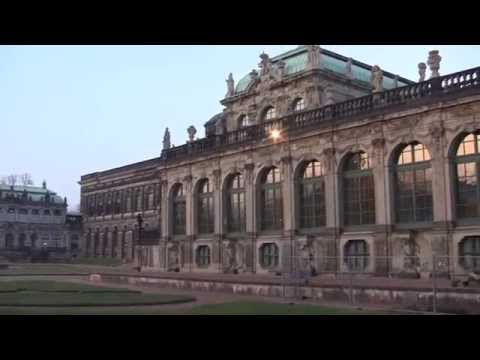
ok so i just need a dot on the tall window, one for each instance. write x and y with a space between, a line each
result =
469 252
269 114
138 200
205 213
203 256
128 201
299 104
34 237
271 205
9 241
269 255
99 204
108 206
118 203
150 199
358 190
356 255
468 176
413 175
22 240
114 242
178 210
235 204
243 121
311 195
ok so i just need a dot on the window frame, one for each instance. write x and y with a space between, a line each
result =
274 213
317 202
205 208
235 223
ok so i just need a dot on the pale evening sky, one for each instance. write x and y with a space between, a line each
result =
71 110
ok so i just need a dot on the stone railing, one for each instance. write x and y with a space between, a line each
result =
361 106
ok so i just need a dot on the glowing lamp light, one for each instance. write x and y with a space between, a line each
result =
275 134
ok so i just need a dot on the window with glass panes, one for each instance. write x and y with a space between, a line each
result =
118 203
469 252
205 212
299 104
114 242
128 201
467 163
235 204
9 242
414 202
271 204
311 197
270 114
269 255
243 121
203 255
358 190
356 255
179 210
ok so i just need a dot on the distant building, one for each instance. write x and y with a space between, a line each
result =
34 220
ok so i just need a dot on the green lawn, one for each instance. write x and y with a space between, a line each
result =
62 294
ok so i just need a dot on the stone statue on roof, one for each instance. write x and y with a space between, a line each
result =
191 133
230 86
376 79
434 63
422 69
348 69
265 64
280 69
313 56
166 139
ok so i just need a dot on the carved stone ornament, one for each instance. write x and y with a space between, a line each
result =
348 71
230 86
434 63
313 56
166 139
422 69
191 133
265 64
377 79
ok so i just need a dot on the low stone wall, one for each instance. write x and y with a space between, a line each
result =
459 301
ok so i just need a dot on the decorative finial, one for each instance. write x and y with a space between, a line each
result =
253 75
166 139
191 133
434 63
422 69
377 79
230 86
44 184
265 64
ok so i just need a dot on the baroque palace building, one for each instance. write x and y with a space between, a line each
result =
34 220
314 155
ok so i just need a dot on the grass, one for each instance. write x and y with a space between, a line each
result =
64 294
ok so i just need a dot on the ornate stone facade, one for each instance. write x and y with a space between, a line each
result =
330 130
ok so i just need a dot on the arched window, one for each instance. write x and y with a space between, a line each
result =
298 104
269 114
235 204
469 253
137 203
205 213
413 175
269 255
22 240
99 204
203 256
356 255
178 210
358 190
9 241
311 195
118 203
467 161
243 121
271 204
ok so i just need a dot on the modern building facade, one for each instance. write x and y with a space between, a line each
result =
33 220
315 155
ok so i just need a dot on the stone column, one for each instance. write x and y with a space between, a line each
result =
288 243
332 207
190 223
251 215
382 208
164 225
219 220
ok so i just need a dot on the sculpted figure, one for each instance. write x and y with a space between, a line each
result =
230 86
265 64
377 79
191 133
313 57
434 63
422 69
166 139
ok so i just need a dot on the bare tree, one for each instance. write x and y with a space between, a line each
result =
26 179
12 179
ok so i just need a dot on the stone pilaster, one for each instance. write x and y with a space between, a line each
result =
164 209
250 208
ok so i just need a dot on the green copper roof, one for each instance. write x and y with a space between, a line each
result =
296 61
33 192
